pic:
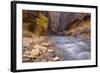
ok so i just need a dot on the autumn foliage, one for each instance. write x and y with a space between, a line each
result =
41 24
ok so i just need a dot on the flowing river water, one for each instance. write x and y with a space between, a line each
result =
72 48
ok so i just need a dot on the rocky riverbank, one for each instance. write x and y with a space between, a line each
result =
39 49
55 48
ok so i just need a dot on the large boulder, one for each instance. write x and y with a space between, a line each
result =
34 53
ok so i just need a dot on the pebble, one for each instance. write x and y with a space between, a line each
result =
44 60
50 50
45 44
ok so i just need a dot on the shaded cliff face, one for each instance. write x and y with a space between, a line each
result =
54 21
61 20
67 18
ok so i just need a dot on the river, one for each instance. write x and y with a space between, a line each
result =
72 48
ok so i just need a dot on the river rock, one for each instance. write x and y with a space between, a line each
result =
50 50
56 58
34 53
44 60
41 48
26 59
37 46
27 53
45 44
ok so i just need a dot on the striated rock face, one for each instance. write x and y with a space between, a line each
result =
67 18
54 20
60 20
80 27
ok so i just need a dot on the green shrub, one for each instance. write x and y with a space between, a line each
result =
41 24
